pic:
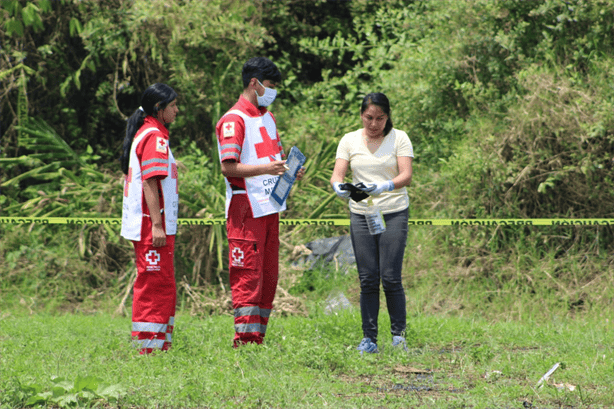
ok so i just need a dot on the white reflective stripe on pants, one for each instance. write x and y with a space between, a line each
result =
148 327
149 343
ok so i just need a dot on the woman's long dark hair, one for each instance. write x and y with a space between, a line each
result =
155 98
380 100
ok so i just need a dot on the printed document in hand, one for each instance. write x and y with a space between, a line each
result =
294 163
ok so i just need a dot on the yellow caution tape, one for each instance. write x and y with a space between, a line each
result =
322 222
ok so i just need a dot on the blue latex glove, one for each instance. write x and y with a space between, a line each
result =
376 189
344 194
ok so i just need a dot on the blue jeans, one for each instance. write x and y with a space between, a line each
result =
380 257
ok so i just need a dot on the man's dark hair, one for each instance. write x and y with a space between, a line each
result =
261 68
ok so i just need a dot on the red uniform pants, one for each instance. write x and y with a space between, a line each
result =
254 268
155 296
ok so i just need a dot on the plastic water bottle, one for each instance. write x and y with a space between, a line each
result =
375 219
336 302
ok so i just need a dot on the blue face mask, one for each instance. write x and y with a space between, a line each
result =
268 97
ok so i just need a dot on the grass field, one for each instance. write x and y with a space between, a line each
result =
79 360
478 337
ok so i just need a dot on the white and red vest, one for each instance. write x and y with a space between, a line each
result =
132 212
259 145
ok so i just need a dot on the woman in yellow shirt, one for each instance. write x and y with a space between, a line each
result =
381 158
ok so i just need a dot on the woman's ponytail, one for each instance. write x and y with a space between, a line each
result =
134 124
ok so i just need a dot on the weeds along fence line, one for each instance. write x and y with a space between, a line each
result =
530 256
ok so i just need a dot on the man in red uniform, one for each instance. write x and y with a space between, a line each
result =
252 160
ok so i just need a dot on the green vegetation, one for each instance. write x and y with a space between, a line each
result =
509 106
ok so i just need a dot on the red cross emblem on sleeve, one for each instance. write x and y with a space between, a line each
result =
228 129
161 145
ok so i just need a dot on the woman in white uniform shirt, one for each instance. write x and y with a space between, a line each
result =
381 158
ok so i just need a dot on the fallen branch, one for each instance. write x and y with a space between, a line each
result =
121 309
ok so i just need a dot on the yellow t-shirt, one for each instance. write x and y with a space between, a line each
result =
375 167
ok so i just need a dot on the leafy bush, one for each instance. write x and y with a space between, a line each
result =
508 105
87 390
